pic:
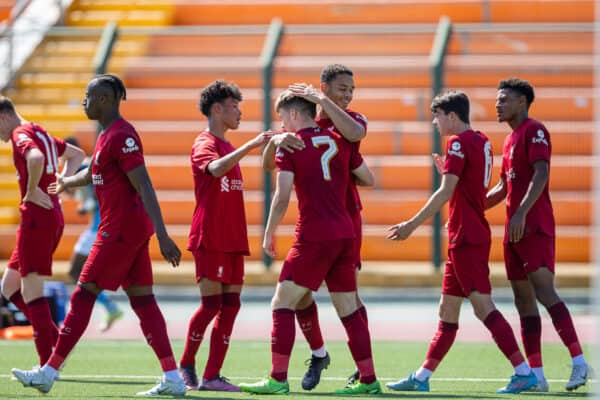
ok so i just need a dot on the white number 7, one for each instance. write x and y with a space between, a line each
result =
318 141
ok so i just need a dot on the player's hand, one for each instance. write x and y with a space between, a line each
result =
438 161
169 250
516 227
57 186
307 92
269 245
38 197
400 231
288 141
261 139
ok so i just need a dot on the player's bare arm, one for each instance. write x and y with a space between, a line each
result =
287 141
62 183
35 168
140 180
516 226
221 166
279 205
347 126
437 200
495 194
363 175
73 157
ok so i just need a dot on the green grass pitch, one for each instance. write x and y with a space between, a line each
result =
106 369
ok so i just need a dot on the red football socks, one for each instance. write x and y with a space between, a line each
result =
154 328
221 332
17 300
359 342
440 344
44 329
561 319
504 337
531 334
282 342
204 314
78 318
308 319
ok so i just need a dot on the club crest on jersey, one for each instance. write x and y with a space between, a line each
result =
541 138
224 184
130 146
455 150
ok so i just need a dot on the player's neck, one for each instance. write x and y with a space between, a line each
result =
216 128
518 120
108 120
460 128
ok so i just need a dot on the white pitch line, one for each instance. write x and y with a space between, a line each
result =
153 377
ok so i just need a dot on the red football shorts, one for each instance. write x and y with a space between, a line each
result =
308 264
528 255
217 266
467 270
34 249
357 243
113 263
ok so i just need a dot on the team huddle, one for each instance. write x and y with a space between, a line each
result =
317 156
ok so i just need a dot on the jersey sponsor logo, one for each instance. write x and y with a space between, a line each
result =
224 184
541 138
228 185
455 150
97 179
130 146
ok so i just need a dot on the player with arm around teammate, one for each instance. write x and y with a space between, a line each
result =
323 249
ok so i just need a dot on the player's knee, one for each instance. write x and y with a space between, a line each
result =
547 296
448 312
90 287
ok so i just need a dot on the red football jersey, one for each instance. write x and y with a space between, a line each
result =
321 179
468 156
119 150
24 138
219 221
352 198
529 143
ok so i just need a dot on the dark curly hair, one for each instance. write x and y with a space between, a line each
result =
331 71
217 92
521 86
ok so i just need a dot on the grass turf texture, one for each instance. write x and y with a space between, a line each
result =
107 369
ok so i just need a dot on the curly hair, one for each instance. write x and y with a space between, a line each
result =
217 92
521 86
331 71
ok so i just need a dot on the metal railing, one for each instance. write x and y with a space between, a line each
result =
436 63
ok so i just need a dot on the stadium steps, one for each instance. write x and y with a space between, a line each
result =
569 241
214 12
391 172
378 104
371 72
384 137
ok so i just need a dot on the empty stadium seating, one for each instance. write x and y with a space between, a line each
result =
165 72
